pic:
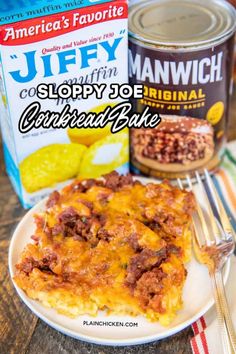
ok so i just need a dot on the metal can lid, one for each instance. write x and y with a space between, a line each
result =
181 23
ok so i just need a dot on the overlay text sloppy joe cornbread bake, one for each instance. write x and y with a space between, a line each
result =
112 244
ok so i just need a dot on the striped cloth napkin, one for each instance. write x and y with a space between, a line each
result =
206 338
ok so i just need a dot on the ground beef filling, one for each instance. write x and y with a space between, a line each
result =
114 181
142 262
149 288
145 275
176 147
45 264
70 223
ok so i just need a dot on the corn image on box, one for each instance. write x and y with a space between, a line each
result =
56 42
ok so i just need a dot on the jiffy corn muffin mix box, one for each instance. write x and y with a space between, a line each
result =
67 41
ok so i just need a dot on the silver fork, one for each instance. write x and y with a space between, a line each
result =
213 244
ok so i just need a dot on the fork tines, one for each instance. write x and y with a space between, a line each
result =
213 245
220 227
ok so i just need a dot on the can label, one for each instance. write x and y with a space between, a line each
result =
191 92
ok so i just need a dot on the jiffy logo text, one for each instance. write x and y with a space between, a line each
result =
81 57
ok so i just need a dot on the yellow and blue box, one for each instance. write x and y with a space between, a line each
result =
59 42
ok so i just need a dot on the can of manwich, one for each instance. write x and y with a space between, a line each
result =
182 52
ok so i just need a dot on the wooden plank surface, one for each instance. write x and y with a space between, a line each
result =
17 323
59 344
21 332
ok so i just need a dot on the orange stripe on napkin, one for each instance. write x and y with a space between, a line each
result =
225 179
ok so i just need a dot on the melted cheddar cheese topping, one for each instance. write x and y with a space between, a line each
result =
112 244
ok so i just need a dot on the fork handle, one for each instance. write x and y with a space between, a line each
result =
223 315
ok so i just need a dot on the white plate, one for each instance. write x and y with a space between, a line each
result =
197 297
